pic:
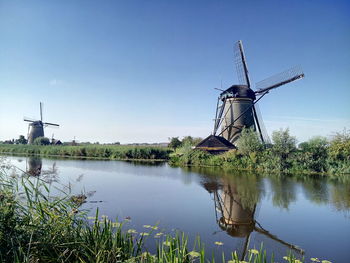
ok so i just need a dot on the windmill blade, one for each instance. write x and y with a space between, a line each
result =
28 119
220 106
257 122
258 118
280 79
41 111
241 65
51 124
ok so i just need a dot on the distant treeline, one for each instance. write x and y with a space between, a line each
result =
318 155
117 152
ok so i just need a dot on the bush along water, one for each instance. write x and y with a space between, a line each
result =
36 226
318 155
90 151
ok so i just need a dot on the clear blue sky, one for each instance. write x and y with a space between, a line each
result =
143 71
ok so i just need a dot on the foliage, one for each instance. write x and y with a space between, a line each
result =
314 156
41 141
174 142
189 140
339 149
283 143
249 142
21 140
117 152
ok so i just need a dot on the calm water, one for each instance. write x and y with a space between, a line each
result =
240 210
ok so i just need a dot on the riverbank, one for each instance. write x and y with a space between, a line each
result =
106 152
41 227
319 155
265 161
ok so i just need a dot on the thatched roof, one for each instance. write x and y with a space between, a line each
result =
215 144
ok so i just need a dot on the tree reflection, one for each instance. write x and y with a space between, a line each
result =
283 191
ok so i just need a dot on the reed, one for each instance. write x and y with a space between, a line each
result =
117 152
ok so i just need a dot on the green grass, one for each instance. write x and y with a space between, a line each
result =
36 226
117 152
298 163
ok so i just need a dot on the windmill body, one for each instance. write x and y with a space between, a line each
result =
238 100
236 106
36 127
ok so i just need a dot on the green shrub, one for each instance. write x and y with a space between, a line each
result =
249 142
41 141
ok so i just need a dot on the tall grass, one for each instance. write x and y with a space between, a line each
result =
38 227
90 151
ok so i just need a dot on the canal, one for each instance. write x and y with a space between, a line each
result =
240 210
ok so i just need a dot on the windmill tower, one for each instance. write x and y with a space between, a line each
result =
236 106
36 127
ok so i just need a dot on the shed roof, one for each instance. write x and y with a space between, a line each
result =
215 143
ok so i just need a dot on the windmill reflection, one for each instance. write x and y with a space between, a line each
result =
236 205
34 168
34 165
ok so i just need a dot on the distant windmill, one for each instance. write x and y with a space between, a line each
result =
36 127
236 106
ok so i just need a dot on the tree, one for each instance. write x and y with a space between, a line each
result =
21 140
315 153
174 142
42 141
283 145
189 140
339 148
249 142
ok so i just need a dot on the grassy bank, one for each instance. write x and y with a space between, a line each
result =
316 156
116 152
38 227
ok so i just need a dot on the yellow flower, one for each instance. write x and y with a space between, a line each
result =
115 224
146 226
326 261
132 231
315 259
144 234
167 243
254 251
218 243
154 227
297 261
194 254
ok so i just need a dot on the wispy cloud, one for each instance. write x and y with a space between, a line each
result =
53 82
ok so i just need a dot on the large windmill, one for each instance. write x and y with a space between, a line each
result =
236 106
36 127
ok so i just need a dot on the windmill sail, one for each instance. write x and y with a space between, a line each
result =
278 80
241 65
262 129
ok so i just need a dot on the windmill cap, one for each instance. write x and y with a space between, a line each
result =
238 91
